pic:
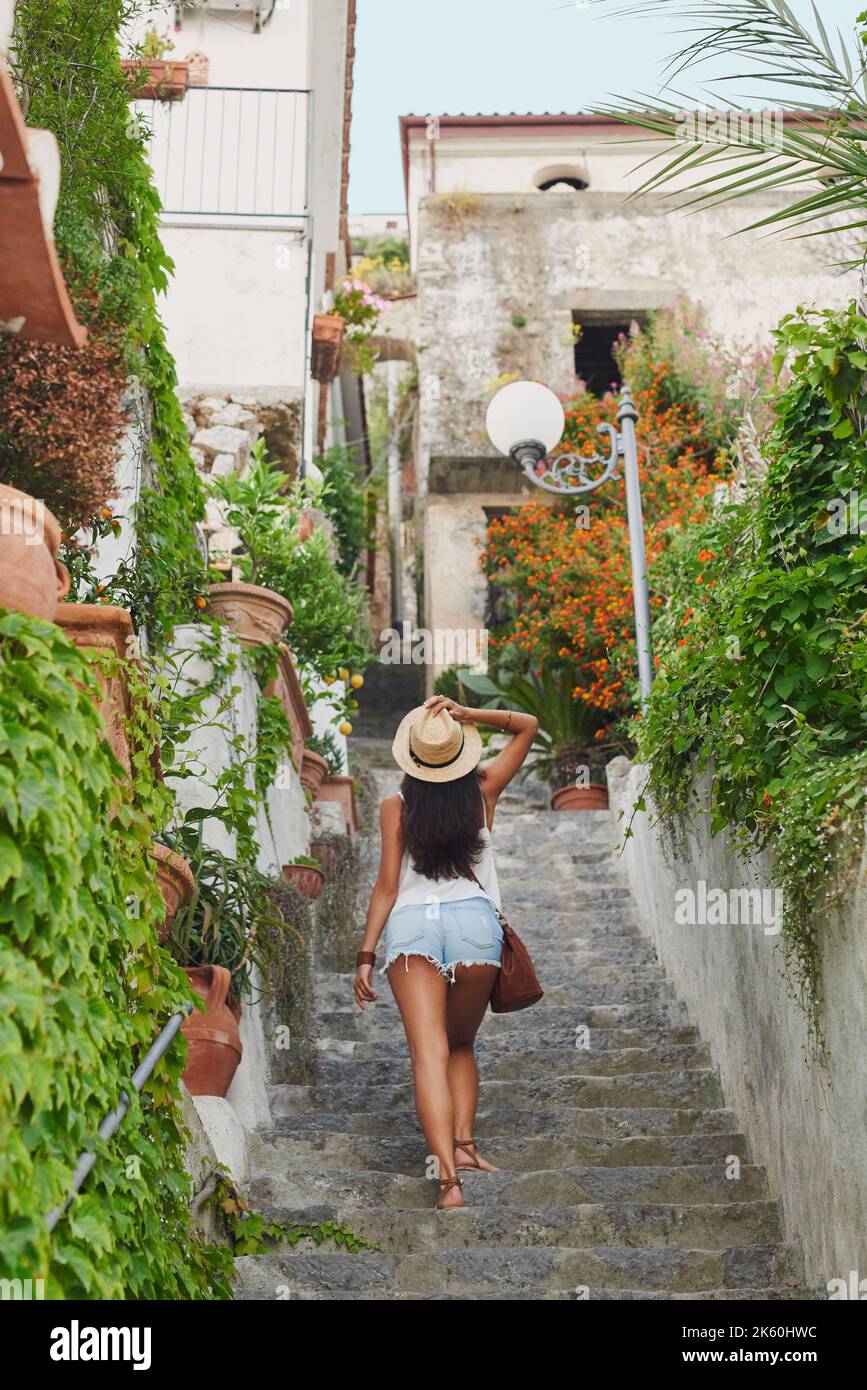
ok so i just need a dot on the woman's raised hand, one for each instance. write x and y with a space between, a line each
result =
437 703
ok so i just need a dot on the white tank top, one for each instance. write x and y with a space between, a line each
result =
413 888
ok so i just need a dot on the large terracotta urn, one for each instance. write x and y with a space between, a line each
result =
176 883
306 878
101 629
32 579
590 798
313 769
215 1042
340 787
258 616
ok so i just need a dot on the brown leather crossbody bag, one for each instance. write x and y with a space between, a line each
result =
517 985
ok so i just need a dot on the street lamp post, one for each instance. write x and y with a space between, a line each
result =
525 420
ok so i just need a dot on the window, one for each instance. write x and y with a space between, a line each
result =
561 176
594 356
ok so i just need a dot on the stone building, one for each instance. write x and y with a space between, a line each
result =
520 228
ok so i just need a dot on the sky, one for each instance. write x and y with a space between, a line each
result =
447 56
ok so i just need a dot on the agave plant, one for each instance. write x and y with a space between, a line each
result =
823 86
565 739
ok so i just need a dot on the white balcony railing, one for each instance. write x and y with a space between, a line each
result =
232 153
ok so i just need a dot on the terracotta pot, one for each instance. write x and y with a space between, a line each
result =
257 615
329 850
592 798
101 628
32 579
325 350
306 879
313 769
340 788
156 79
215 1042
176 883
197 68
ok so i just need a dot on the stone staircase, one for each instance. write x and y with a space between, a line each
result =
601 1106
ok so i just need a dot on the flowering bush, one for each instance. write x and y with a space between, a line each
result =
566 569
361 311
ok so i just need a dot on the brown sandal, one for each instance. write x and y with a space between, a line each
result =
469 1145
445 1184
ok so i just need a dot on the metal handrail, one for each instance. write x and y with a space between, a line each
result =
113 1119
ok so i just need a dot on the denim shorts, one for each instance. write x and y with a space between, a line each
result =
446 934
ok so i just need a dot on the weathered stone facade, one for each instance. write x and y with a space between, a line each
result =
501 280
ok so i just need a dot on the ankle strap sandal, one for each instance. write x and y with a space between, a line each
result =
469 1145
445 1185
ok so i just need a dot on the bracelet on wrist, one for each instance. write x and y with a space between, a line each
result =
365 958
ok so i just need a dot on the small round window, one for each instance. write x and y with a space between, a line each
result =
561 176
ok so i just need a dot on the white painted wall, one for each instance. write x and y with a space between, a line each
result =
805 1122
235 309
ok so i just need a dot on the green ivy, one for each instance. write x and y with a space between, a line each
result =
763 651
66 57
84 990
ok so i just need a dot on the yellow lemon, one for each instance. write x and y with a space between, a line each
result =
329 680
357 682
343 673
345 727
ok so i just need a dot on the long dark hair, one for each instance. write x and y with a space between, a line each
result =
442 822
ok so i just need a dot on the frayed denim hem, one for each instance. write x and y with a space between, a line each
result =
447 971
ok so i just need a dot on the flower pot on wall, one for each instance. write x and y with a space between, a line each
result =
591 798
214 1040
327 342
340 788
197 69
176 883
32 579
306 878
286 687
155 79
258 616
103 629
313 770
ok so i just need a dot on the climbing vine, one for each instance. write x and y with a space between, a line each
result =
763 650
84 989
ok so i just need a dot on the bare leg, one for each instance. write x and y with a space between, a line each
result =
420 992
465 1008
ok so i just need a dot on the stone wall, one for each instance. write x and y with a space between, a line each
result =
807 1123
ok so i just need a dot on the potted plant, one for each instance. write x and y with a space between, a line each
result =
105 632
361 311
151 76
565 741
32 579
321 757
175 881
307 875
326 344
256 510
229 926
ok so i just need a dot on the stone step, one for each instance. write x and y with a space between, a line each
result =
382 1019
793 1292
637 1225
388 1041
518 1066
292 1184
319 1147
504 1270
610 1122
693 1088
338 989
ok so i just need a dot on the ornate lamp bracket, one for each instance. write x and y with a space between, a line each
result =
570 473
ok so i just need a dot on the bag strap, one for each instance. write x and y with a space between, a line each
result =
500 918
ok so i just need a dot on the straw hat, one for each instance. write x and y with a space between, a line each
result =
435 747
